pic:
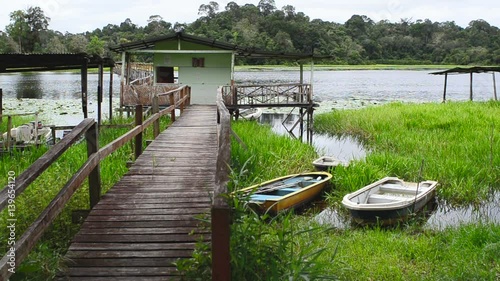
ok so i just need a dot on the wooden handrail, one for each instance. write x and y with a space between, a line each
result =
221 213
42 163
90 169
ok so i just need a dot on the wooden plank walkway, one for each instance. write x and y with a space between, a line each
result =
150 218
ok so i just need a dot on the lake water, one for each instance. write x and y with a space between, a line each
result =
57 97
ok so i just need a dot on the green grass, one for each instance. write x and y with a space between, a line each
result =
399 137
459 143
45 260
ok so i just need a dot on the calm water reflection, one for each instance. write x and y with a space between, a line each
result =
345 148
441 216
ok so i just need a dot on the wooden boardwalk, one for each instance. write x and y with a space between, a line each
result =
151 217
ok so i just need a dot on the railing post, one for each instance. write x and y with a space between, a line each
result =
156 124
138 138
91 136
183 94
221 266
172 102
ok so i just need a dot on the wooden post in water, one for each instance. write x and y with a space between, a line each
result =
138 138
470 97
111 94
84 87
100 93
494 88
156 124
445 85
91 136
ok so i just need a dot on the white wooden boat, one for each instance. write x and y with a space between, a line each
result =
251 113
325 163
388 201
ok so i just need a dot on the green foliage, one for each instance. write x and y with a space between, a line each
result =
359 40
95 46
262 247
44 261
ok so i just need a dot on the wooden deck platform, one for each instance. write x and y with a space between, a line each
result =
151 217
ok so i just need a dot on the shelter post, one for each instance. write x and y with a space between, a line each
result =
111 69
494 87
84 73
100 94
470 97
445 85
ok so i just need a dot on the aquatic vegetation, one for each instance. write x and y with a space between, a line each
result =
458 142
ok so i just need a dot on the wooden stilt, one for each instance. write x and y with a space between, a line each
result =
445 85
84 87
495 97
111 94
471 86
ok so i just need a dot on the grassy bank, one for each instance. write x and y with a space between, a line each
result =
45 260
399 136
459 143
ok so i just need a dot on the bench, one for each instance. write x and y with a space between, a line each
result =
379 198
396 188
264 197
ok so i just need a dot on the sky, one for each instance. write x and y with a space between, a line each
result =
76 16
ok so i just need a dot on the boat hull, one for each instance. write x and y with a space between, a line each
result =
286 198
388 201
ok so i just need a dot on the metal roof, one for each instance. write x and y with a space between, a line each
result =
474 69
46 62
239 50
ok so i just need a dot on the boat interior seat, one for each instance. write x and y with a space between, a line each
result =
396 188
379 198
263 197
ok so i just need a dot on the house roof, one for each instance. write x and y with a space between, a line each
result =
239 50
46 62
474 69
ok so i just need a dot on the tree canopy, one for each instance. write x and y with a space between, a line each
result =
359 40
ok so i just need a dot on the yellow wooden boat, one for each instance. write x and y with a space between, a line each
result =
285 192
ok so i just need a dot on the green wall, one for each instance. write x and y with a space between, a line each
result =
204 81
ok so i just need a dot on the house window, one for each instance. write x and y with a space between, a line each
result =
198 62
164 74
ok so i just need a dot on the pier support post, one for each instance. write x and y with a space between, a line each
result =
84 87
1 106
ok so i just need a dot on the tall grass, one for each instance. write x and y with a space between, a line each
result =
44 261
265 248
460 143
464 252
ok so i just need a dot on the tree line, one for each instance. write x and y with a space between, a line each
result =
359 40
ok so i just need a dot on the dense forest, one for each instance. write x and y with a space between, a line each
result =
359 40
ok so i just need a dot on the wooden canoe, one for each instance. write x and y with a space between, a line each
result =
388 201
285 192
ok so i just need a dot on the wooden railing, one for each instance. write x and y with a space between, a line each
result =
265 95
90 169
144 94
221 269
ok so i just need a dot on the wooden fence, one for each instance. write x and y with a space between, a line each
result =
267 95
144 94
90 169
221 269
